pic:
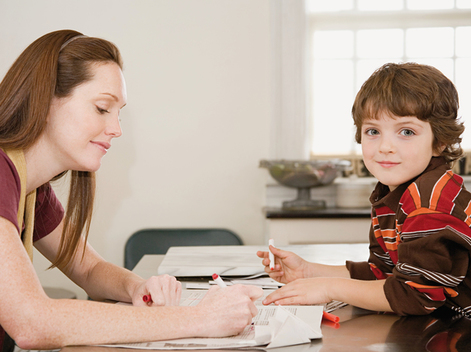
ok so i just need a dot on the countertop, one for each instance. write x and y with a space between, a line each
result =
279 213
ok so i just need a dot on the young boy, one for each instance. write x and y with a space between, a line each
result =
420 240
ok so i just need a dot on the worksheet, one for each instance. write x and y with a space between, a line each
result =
274 326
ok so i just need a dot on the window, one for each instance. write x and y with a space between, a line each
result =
349 39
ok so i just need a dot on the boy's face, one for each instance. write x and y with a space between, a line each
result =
396 149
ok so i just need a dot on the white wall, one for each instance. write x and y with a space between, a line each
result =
197 122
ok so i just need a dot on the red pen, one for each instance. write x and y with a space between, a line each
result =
147 299
330 317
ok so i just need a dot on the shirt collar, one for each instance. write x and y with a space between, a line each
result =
382 196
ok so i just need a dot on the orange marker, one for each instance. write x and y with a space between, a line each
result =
330 317
329 324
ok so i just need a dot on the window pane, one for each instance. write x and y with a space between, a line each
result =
430 4
380 5
380 43
328 6
463 4
333 44
344 59
462 41
429 42
463 85
332 104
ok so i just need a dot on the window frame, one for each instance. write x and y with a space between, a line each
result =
356 20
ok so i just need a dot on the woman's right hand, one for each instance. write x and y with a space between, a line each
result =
227 311
288 266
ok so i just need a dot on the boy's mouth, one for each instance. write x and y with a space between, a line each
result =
387 164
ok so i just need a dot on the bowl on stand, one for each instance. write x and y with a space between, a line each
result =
304 175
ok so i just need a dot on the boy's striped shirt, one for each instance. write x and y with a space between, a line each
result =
420 241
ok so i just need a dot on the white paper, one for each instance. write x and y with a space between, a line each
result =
262 282
274 326
226 261
250 337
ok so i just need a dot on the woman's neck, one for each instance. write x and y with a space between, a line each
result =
41 166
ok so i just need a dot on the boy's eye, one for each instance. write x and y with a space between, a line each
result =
407 132
371 132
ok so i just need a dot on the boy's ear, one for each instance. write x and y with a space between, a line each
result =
438 149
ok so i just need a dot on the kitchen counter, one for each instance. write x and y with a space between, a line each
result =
330 225
329 213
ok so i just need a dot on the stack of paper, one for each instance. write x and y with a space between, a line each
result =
274 326
190 261
262 282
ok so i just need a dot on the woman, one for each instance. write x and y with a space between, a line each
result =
59 108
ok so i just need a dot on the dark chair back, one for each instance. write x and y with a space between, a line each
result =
158 241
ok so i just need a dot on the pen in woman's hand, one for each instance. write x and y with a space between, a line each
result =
217 279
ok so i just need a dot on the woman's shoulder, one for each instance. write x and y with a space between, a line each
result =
8 174
10 188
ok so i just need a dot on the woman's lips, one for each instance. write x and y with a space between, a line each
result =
102 145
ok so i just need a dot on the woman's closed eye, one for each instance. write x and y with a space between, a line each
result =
102 111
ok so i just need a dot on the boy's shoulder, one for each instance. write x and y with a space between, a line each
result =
437 177
438 189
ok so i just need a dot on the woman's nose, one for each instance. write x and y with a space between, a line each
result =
114 128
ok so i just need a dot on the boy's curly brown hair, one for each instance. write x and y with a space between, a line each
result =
411 89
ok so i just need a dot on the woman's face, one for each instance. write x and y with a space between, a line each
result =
80 127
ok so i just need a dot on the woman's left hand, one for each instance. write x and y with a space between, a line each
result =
163 290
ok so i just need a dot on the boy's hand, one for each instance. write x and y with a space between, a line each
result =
288 266
301 291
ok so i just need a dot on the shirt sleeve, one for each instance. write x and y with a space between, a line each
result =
430 267
10 188
375 268
49 212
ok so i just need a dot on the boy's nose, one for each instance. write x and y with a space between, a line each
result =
386 146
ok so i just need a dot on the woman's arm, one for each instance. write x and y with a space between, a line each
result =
105 281
35 321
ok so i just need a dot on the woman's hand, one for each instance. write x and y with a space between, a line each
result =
288 266
228 310
163 290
